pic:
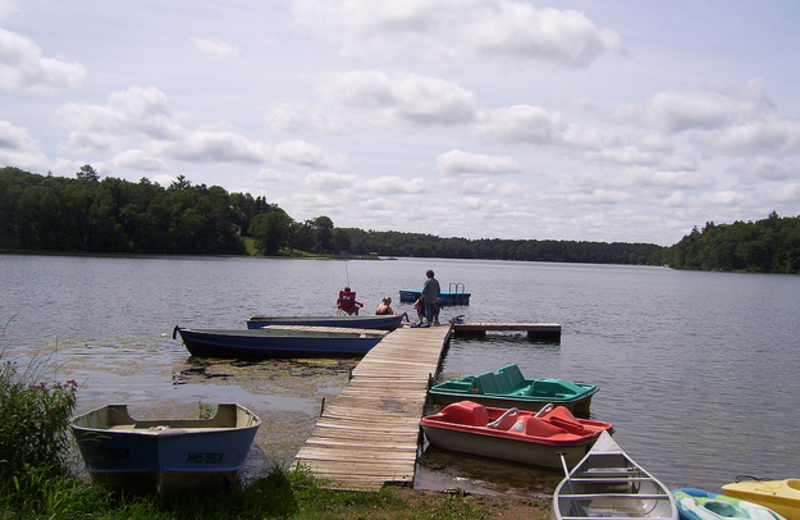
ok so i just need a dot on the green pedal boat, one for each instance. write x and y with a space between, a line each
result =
508 388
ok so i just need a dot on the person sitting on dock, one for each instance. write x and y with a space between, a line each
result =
347 302
419 305
385 307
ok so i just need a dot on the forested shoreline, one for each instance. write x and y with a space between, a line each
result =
45 213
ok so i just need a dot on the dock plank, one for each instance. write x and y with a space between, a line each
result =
368 435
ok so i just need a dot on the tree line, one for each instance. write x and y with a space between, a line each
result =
771 245
87 214
393 243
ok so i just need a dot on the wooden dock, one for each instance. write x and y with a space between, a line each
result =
540 331
369 434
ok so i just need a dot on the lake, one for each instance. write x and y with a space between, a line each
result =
698 372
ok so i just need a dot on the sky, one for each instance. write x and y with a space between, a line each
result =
611 121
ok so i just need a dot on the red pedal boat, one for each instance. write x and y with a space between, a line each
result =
516 435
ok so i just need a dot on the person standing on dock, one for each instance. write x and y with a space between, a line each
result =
430 293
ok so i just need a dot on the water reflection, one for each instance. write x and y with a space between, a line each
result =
439 470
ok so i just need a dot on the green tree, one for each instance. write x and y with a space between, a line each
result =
87 173
341 240
271 230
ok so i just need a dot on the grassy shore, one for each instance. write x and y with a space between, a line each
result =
39 494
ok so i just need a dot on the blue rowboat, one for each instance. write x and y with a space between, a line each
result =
163 455
380 322
446 298
278 343
508 388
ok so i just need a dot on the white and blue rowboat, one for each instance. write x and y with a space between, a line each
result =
163 455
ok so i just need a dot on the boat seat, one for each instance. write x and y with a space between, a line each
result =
514 376
486 383
465 412
502 384
536 427
560 416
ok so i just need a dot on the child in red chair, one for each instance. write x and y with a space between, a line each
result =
347 302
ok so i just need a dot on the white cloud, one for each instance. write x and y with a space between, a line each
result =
136 110
771 134
298 119
215 48
767 168
391 185
457 30
301 153
23 68
17 148
216 147
140 118
14 138
138 160
457 163
720 198
565 37
715 107
622 155
786 194
400 99
536 125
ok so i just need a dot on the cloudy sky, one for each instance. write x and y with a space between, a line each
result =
576 120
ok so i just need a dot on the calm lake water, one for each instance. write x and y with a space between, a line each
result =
698 372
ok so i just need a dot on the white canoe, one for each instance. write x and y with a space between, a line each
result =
607 484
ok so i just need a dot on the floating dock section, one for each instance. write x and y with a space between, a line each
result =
536 331
369 434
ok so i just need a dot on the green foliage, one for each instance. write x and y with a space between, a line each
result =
204 411
771 245
39 213
34 418
393 243
271 230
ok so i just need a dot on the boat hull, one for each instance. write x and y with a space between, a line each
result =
781 496
522 452
508 388
390 322
512 435
607 483
445 298
163 455
266 344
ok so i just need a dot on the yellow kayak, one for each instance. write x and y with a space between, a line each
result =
782 496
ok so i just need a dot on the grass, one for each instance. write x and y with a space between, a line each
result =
296 495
